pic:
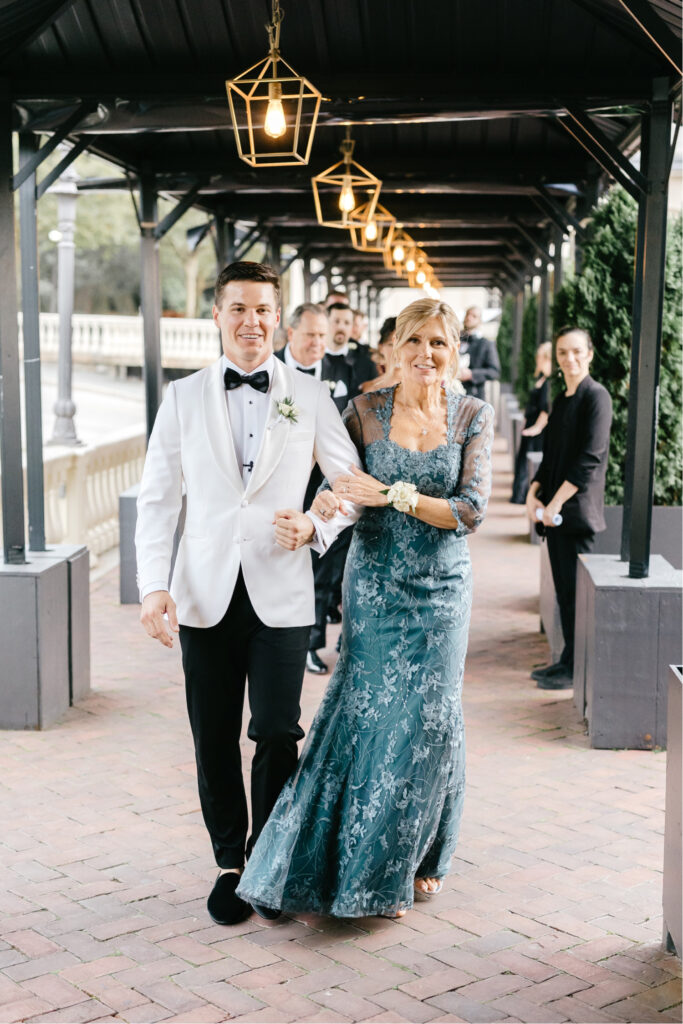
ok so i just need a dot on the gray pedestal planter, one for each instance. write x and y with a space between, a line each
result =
77 559
672 897
517 420
628 632
549 608
533 461
128 517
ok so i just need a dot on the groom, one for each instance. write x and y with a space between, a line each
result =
240 436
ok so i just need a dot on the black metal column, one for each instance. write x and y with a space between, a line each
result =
28 144
543 307
557 261
649 283
150 298
12 482
517 335
224 241
307 279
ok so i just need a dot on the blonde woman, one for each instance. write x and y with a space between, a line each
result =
370 819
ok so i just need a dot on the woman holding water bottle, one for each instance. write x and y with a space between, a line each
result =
566 497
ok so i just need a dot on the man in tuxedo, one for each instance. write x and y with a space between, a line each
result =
478 356
241 436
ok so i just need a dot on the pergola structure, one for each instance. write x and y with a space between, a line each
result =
492 125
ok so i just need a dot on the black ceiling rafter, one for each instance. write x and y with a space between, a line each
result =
559 214
59 7
656 30
536 245
579 125
253 235
34 162
174 215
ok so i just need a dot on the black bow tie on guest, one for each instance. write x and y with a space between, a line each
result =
259 380
303 369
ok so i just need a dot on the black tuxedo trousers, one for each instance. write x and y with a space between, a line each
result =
217 663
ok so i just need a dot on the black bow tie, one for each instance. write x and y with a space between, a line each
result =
303 369
258 380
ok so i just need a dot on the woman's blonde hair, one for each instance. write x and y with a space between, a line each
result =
414 316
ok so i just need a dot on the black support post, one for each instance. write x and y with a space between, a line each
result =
28 144
12 480
647 327
557 261
517 335
307 279
543 307
150 298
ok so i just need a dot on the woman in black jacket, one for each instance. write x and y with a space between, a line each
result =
535 419
569 487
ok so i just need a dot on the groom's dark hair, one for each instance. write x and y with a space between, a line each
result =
246 270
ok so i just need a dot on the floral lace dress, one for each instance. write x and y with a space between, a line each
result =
377 796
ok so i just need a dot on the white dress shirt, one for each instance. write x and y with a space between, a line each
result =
248 413
294 365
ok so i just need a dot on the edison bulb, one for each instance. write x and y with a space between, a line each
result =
410 265
370 231
347 200
398 254
421 277
275 125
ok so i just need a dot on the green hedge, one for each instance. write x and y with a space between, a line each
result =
526 363
600 299
504 338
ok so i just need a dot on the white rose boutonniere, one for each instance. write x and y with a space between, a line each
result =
352 346
332 385
287 410
403 496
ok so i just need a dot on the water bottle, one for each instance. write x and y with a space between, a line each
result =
557 518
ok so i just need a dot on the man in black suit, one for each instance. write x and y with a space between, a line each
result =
570 482
478 356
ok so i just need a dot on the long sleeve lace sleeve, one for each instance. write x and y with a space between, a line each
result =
352 422
469 502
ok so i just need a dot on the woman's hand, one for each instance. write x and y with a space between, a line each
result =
532 431
532 503
360 488
327 504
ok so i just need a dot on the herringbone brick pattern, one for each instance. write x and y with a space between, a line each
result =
552 912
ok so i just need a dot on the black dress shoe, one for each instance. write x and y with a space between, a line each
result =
334 616
267 913
558 681
549 670
316 665
223 904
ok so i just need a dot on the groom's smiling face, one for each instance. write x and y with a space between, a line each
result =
247 317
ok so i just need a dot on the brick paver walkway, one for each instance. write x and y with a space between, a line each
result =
552 913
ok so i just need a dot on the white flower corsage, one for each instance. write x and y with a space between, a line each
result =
286 409
403 496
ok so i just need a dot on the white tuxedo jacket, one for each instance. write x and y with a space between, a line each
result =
227 525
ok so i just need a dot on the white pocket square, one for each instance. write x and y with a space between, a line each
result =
340 389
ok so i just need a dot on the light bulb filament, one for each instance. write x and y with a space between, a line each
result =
398 253
275 125
370 231
347 200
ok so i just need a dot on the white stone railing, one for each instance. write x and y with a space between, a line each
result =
117 340
82 487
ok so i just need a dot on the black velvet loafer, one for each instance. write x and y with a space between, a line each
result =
267 913
224 905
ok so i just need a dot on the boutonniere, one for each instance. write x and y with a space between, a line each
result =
331 384
352 346
286 409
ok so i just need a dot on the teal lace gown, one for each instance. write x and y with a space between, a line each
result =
378 793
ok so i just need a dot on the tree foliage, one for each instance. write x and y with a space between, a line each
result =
504 338
600 299
526 363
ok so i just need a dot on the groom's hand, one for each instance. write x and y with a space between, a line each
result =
292 529
154 607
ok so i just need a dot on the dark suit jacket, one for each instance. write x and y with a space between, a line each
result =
484 363
575 448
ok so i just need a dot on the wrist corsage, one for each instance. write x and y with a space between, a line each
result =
403 496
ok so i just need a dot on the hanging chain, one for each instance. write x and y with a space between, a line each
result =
346 146
273 28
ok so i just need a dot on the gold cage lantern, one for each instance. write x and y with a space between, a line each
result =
337 191
369 234
274 110
397 245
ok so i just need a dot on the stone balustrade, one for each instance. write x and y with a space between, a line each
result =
117 340
82 487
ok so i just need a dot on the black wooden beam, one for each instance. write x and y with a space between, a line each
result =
604 152
58 136
557 212
174 215
66 161
36 30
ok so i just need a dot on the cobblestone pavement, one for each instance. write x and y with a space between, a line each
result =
552 912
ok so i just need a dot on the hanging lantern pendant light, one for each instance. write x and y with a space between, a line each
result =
351 179
270 102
